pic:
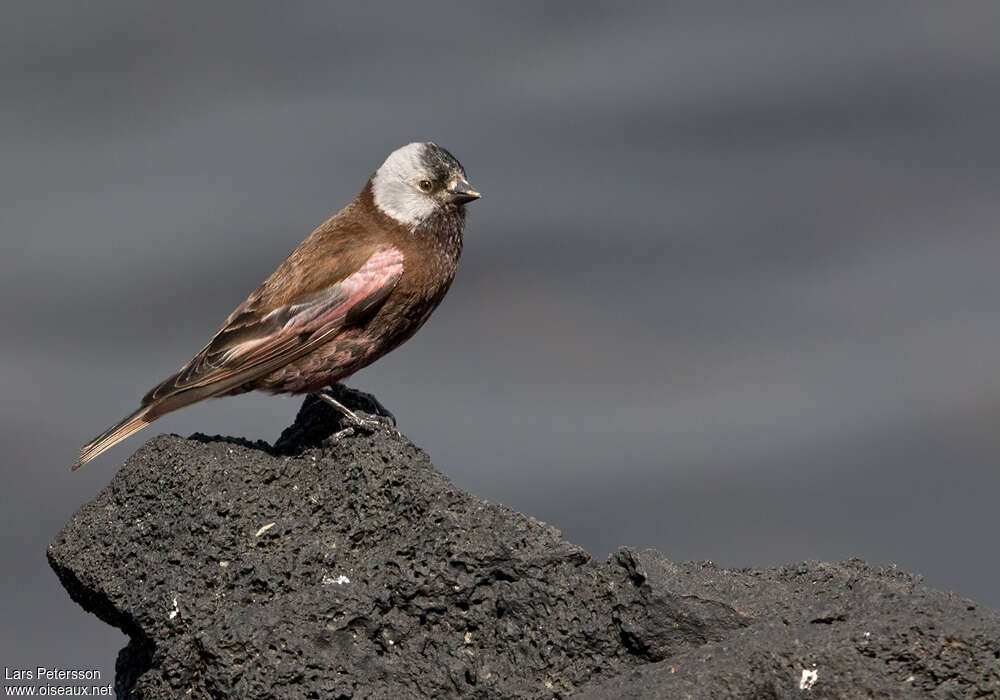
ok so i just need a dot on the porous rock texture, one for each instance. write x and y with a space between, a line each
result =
349 567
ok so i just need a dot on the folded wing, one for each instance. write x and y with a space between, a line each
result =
254 343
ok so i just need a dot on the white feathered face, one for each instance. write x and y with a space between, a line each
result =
418 180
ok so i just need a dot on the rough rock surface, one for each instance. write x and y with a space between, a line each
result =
351 568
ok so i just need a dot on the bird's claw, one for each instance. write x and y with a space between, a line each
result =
370 423
382 413
346 432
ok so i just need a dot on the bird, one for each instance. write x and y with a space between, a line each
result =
362 283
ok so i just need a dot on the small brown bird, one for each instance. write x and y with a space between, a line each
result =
357 287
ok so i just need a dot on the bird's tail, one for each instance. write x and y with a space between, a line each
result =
115 434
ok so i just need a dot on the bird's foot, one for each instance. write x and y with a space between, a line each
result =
357 422
380 410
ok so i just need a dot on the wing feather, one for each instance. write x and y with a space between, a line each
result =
252 345
258 339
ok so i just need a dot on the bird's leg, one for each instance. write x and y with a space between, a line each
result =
367 424
379 408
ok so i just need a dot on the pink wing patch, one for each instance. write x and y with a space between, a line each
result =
382 270
240 354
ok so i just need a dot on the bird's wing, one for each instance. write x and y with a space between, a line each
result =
263 335
255 342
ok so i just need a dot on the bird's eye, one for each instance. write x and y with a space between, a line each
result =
425 185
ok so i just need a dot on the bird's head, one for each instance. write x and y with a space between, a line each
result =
418 181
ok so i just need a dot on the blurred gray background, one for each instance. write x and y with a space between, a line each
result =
732 291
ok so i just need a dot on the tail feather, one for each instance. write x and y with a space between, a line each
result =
146 414
115 434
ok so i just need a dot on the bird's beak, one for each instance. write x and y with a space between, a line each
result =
460 191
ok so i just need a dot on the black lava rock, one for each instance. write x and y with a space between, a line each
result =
348 567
